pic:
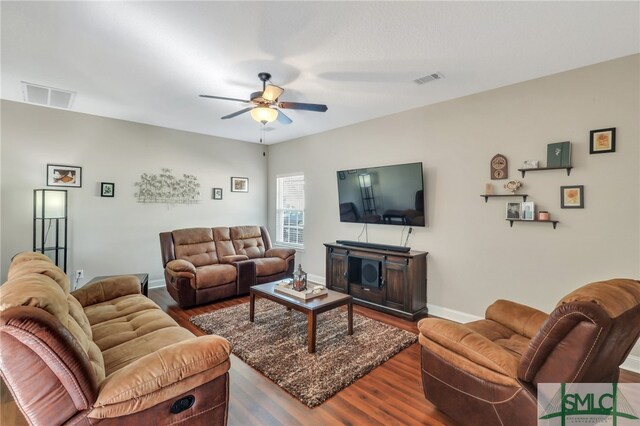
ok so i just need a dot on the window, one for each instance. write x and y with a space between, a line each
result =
290 210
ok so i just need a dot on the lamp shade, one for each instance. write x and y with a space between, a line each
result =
264 114
50 203
365 180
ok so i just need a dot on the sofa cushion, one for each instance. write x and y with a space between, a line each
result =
247 240
213 275
269 266
195 245
224 245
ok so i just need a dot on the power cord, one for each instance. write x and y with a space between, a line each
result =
408 233
366 233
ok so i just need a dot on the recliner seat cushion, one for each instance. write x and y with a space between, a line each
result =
214 275
247 240
269 266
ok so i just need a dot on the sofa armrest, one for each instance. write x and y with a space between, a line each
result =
202 358
181 268
107 289
233 258
281 252
524 320
471 345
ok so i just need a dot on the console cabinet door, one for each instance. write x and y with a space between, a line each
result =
395 281
337 271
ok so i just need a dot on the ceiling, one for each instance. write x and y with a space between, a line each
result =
147 62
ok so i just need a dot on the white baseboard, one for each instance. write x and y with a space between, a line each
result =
632 363
450 314
316 279
156 283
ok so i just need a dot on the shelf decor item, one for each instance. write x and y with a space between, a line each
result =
299 279
527 211
530 164
572 197
488 189
512 186
602 141
559 154
50 224
543 215
107 189
69 176
239 184
499 167
513 210
217 194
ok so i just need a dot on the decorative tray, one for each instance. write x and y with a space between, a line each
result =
312 290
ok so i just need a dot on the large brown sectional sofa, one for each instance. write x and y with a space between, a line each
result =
104 354
202 265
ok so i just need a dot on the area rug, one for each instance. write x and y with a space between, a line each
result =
276 345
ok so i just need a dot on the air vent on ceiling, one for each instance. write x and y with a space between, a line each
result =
47 96
428 78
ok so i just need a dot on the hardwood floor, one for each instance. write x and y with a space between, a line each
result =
390 395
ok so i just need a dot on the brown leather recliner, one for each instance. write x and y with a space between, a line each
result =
104 354
203 265
488 371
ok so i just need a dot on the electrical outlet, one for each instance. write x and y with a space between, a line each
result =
80 273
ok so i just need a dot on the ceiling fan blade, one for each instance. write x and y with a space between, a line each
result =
223 98
306 107
271 92
242 111
282 118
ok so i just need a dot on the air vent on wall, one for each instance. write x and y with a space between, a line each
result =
428 78
47 96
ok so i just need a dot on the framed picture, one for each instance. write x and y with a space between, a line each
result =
572 197
107 189
513 210
530 164
217 193
559 154
602 140
527 210
69 176
239 184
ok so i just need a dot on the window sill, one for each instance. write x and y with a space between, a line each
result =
291 246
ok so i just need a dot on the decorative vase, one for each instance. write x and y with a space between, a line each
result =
299 279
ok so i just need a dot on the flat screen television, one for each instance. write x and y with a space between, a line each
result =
387 195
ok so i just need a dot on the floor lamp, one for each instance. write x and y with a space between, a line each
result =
50 224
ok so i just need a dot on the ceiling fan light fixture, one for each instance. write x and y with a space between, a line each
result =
264 114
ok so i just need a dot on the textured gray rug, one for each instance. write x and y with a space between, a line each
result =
276 345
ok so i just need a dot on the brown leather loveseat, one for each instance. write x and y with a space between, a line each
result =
202 265
487 372
104 354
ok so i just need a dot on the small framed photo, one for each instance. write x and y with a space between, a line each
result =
239 184
217 193
107 189
513 210
69 176
602 140
530 164
527 210
572 197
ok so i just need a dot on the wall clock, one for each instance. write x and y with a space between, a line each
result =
499 167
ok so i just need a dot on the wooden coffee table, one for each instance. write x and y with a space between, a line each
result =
311 307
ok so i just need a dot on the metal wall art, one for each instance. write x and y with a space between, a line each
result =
166 188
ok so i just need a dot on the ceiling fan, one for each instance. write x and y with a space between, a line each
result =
266 106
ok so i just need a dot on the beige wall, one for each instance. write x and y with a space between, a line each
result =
474 256
119 235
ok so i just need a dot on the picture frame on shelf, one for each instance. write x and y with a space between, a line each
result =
559 154
239 184
572 197
67 176
602 141
530 164
527 210
513 210
107 189
216 193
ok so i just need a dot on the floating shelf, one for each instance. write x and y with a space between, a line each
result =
567 168
553 222
487 196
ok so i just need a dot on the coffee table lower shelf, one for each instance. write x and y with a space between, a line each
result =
311 308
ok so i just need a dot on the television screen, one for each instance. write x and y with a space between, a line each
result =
389 195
